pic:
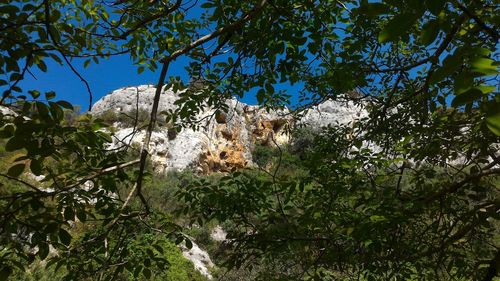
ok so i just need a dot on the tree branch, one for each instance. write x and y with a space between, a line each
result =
159 87
23 182
53 39
491 32
231 27
147 20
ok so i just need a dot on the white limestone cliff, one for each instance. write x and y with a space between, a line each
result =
226 141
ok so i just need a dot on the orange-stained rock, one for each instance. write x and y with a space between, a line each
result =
223 141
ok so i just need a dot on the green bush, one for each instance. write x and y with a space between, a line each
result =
128 119
262 155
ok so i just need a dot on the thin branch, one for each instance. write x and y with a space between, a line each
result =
100 173
491 32
435 56
26 66
147 20
231 27
53 39
159 87
23 182
149 132
455 187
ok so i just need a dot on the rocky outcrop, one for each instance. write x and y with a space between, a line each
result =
225 141
200 259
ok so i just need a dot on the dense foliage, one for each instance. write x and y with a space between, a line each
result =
410 191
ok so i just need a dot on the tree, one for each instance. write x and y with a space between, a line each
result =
428 70
418 198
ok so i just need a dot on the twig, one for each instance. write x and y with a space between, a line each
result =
23 182
491 32
231 27
53 39
26 66
147 20
149 132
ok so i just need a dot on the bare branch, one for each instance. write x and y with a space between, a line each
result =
154 17
231 27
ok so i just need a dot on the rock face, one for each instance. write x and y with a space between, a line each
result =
226 141
200 259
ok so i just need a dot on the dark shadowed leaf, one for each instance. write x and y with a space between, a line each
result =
435 6
493 121
64 236
429 32
16 170
65 104
467 97
50 95
43 250
5 272
396 27
36 167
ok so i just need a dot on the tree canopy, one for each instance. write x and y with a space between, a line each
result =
411 191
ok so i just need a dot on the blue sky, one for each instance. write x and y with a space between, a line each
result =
104 77
108 75
114 73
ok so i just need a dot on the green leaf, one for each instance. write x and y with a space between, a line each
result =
484 65
14 143
486 89
106 137
137 271
34 93
42 66
429 32
147 273
64 236
69 213
7 131
349 231
16 170
15 76
50 95
65 104
158 248
260 96
450 64
140 69
207 5
42 108
189 244
81 215
435 6
269 88
376 218
373 9
493 121
396 27
150 253
466 97
86 63
179 239
56 111
463 82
